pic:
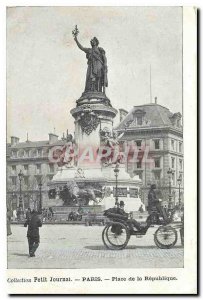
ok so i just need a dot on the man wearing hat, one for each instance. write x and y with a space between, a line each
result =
153 202
121 205
33 237
132 221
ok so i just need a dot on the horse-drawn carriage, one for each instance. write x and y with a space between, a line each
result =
120 228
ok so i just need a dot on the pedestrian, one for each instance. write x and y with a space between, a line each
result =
154 203
51 213
33 237
141 210
18 214
80 210
8 221
14 215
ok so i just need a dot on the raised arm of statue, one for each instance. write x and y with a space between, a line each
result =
80 46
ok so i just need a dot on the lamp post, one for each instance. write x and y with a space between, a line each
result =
179 183
116 171
20 176
170 172
40 197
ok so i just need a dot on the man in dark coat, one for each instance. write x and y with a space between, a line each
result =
154 203
121 211
33 237
8 221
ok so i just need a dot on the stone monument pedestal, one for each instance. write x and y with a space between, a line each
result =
93 114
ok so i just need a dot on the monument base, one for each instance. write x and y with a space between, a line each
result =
93 98
61 213
101 182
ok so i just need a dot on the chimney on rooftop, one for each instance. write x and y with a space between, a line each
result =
27 138
155 100
14 140
53 138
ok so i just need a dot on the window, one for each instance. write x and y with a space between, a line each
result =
34 153
39 152
121 192
172 144
25 169
138 143
180 147
138 116
157 162
14 153
13 168
157 175
51 168
180 164
139 164
139 120
38 168
178 123
13 179
156 144
172 162
173 178
27 153
26 181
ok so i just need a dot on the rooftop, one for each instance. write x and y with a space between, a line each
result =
35 144
153 115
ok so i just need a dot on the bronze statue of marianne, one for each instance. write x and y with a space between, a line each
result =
96 78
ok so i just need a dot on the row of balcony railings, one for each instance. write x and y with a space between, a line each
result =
157 145
21 154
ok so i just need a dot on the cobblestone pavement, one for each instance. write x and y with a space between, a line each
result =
78 246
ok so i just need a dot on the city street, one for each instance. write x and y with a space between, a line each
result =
78 246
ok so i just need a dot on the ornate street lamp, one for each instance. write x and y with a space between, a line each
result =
20 176
179 183
170 172
40 197
116 171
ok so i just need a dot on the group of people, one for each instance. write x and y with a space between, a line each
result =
34 220
154 205
47 214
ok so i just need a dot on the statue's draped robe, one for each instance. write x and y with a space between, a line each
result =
96 77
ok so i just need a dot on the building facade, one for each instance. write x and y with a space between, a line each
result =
32 159
157 136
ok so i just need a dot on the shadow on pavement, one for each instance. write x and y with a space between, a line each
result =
131 247
19 254
95 247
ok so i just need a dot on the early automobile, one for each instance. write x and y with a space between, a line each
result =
120 228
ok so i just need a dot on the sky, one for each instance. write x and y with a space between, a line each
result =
46 71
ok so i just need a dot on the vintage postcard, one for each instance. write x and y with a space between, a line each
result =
101 178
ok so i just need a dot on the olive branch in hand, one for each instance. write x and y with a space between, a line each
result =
75 31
